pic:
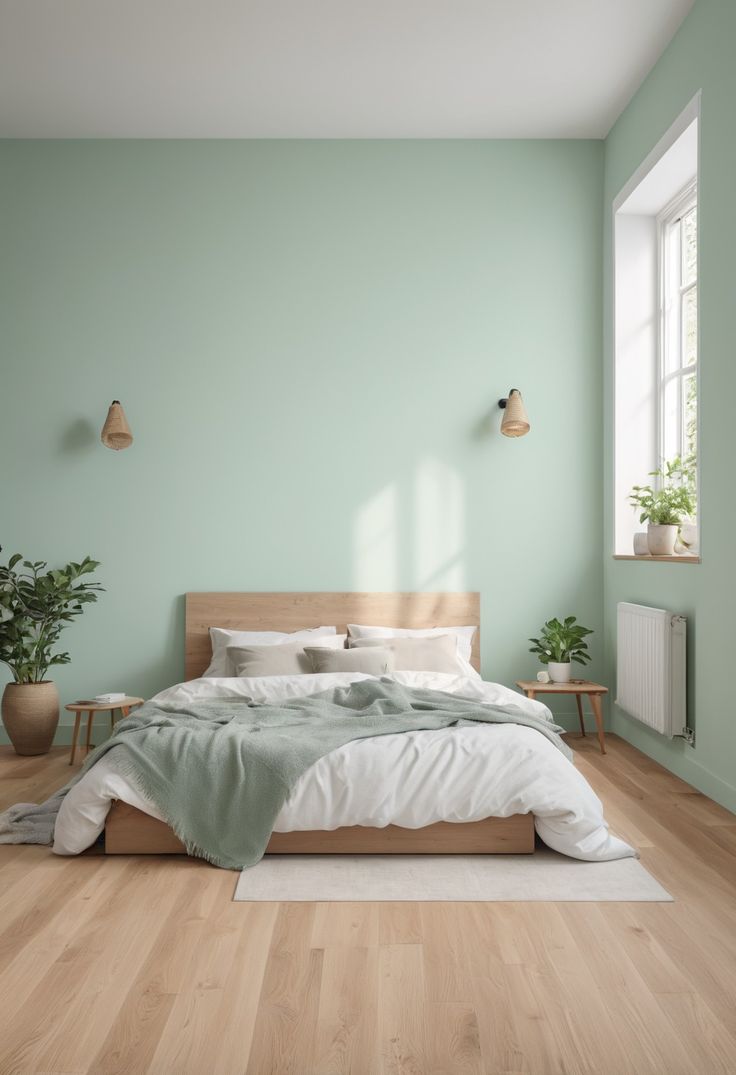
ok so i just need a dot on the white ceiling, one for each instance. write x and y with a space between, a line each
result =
325 68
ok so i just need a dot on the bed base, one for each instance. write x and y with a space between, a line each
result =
131 832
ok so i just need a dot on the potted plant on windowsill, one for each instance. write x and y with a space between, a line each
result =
667 507
35 607
560 643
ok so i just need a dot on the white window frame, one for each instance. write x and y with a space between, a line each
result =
671 320
668 170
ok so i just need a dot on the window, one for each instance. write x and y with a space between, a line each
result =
655 345
678 359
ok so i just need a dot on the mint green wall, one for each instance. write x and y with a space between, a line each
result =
700 56
308 339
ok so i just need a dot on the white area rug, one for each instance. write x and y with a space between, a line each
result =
544 875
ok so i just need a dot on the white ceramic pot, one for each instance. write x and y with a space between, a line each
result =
689 536
661 540
559 672
641 544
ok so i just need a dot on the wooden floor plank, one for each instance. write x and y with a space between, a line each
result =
579 1009
92 1009
347 1021
403 1025
192 1036
347 925
284 1032
700 1036
639 1020
140 1019
52 1014
239 1010
445 958
147 966
454 1040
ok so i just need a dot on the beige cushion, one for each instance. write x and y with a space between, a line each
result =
434 654
374 661
464 635
286 659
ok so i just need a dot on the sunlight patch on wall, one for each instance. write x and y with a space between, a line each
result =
375 552
439 527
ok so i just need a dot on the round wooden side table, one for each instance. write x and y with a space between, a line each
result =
91 709
594 691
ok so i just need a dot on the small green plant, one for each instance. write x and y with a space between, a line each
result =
35 607
562 641
674 498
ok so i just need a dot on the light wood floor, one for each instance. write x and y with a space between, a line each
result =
145 965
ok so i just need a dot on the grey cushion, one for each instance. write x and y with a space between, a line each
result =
287 659
437 653
375 661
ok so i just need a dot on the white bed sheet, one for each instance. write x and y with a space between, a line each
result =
411 779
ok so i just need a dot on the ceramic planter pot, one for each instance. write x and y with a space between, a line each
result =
689 536
30 715
661 540
641 544
559 672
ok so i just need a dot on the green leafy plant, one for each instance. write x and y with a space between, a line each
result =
35 607
562 641
674 497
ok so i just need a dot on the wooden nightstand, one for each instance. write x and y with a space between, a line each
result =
91 708
578 687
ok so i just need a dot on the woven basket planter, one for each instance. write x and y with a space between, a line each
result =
31 715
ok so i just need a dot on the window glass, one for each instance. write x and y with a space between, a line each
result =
671 418
690 327
690 416
678 381
690 245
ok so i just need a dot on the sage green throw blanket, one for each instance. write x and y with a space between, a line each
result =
220 771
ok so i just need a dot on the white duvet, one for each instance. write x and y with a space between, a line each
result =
411 779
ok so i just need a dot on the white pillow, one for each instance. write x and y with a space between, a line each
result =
464 635
221 638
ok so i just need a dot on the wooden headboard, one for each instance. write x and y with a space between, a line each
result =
295 611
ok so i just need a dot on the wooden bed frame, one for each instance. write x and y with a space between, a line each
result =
129 831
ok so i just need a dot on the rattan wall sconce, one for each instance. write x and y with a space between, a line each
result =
116 431
515 421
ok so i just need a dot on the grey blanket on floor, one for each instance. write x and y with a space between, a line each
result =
220 771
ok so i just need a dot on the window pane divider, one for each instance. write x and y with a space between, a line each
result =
681 371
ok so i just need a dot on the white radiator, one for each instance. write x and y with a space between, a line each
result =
650 673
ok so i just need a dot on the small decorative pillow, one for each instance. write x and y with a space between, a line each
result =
287 659
374 661
434 654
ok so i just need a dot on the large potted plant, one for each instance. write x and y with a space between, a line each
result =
35 607
666 507
560 643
